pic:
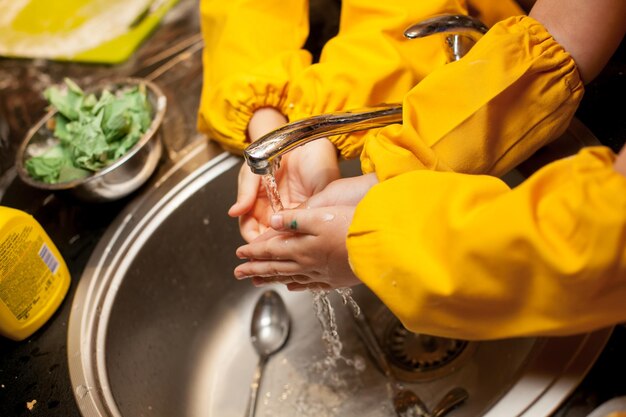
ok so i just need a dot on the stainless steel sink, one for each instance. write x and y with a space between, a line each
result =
159 327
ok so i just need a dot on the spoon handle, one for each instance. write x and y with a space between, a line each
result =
254 386
450 401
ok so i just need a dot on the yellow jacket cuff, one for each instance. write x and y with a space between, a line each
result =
473 115
226 109
252 51
370 61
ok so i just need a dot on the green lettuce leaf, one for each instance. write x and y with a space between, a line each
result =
93 132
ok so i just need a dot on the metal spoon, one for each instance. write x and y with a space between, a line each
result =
454 398
406 403
269 330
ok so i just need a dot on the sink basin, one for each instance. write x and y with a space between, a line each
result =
159 327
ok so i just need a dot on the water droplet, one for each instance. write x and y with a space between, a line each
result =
82 391
328 217
359 364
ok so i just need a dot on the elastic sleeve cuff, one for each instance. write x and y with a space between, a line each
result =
463 256
225 110
473 115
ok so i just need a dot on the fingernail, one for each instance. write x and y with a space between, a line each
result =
276 221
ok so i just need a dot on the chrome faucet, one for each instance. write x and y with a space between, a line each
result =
463 31
261 154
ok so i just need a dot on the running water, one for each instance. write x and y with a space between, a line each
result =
328 367
335 379
346 295
269 181
323 308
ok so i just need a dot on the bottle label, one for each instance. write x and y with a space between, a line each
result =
48 258
27 271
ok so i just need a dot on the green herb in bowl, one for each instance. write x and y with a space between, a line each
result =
89 132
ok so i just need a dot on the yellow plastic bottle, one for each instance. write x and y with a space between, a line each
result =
33 277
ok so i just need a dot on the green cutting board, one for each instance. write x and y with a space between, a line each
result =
102 31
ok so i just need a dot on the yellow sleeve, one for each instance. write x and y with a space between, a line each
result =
513 92
371 62
252 49
463 256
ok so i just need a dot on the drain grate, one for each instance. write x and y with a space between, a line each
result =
418 352
418 357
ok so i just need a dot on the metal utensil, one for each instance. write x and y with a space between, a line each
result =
405 402
123 176
269 330
450 401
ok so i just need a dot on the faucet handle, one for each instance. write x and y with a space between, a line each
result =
463 32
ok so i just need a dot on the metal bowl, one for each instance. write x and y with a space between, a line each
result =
114 181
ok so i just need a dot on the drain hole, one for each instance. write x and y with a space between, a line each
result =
418 354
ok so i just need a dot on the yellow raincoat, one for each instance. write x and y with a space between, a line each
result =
253 58
464 256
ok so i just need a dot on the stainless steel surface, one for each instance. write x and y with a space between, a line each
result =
123 176
406 402
262 154
269 329
160 327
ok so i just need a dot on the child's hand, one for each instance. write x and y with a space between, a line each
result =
303 172
309 251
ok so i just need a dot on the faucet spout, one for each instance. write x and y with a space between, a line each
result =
463 31
262 154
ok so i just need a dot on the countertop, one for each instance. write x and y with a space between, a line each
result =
37 369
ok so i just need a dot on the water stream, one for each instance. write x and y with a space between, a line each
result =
323 308
271 188
335 374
